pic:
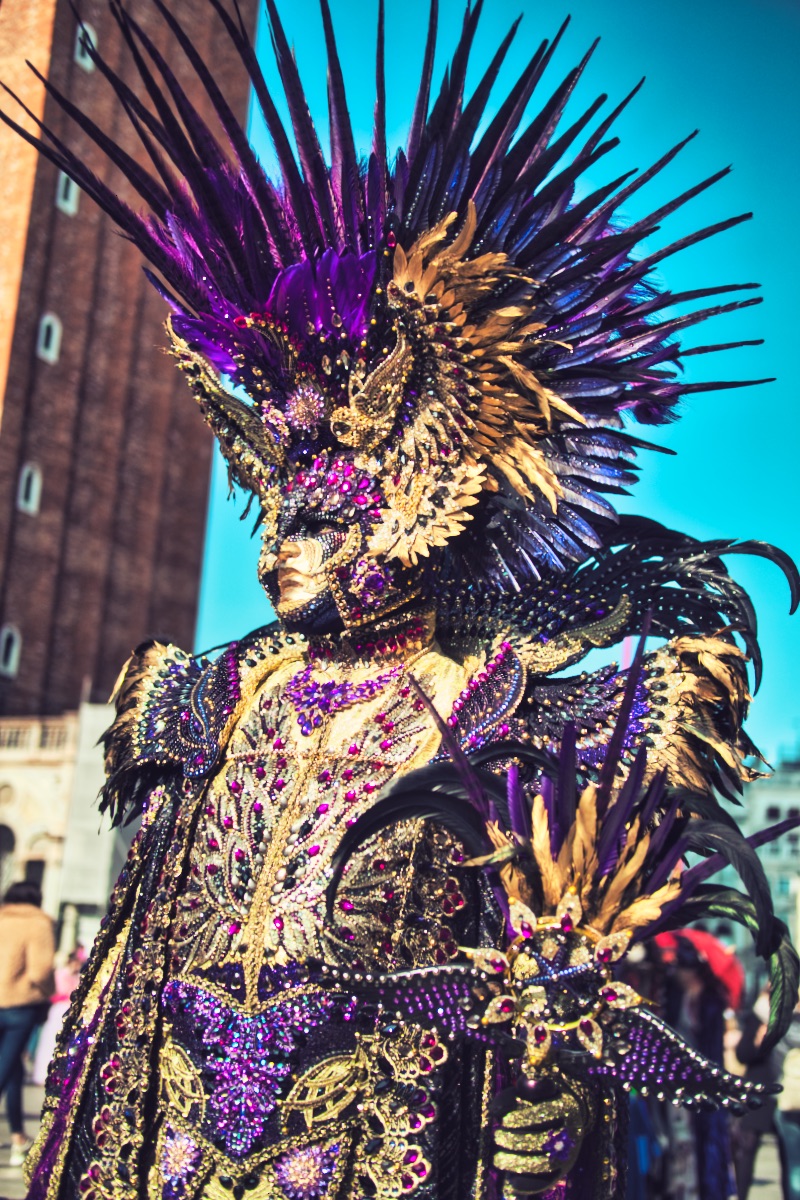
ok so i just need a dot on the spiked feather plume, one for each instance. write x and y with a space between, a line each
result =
529 311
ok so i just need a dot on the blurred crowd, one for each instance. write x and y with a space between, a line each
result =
697 985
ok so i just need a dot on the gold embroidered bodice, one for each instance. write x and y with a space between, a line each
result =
283 797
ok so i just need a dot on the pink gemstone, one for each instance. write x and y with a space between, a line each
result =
354 749
211 869
278 923
322 809
238 854
369 787
313 851
279 743
386 744
258 807
234 928
347 775
346 905
279 784
350 796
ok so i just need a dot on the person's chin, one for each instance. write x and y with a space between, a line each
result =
294 600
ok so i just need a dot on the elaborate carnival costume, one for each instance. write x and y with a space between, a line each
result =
369 936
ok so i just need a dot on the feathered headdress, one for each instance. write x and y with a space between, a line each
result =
415 341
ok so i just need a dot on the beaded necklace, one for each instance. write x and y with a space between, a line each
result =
314 700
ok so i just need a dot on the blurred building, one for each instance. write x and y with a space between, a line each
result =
766 802
104 459
777 798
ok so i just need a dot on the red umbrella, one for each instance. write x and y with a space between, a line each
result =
721 960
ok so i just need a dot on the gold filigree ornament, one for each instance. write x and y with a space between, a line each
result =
532 1000
181 1083
328 1088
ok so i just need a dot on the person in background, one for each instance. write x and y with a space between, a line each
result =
696 999
67 977
748 1129
27 951
787 1112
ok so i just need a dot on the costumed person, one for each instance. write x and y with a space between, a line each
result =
343 960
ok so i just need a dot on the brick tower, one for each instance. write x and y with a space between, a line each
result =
104 460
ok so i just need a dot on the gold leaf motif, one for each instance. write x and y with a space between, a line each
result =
539 1042
522 918
501 1008
620 995
494 962
590 1036
569 911
613 946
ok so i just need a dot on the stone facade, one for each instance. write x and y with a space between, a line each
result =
51 772
110 553
37 770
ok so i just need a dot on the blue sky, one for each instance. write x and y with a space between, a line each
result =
729 69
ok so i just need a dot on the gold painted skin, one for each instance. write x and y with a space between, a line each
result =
301 575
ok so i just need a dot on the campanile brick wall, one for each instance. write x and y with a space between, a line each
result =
113 555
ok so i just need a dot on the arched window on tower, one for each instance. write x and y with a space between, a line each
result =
29 489
67 194
48 340
10 650
85 38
